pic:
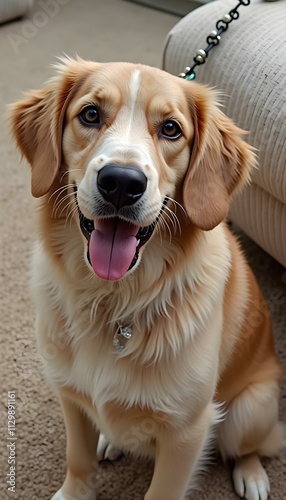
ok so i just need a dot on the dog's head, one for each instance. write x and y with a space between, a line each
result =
123 141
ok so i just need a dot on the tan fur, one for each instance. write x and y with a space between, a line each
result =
201 360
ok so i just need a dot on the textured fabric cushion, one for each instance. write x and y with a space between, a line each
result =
249 67
263 218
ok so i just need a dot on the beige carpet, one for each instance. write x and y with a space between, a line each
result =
101 30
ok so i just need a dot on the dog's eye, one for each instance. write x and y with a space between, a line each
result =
89 116
171 130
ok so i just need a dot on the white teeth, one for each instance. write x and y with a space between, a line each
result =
138 242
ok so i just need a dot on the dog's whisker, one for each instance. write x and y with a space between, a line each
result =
60 203
65 205
59 191
177 204
171 218
57 208
70 216
175 219
72 211
69 172
63 174
58 199
70 219
159 229
71 208
164 225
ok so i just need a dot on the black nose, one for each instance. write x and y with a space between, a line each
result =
120 185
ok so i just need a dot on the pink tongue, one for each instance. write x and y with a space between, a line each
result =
112 247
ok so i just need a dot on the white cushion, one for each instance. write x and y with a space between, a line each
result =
249 67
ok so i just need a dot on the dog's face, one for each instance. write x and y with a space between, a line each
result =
126 145
126 140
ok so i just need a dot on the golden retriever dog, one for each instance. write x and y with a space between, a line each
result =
150 324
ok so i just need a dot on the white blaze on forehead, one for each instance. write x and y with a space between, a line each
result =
120 144
134 87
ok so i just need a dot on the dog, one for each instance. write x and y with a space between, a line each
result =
149 318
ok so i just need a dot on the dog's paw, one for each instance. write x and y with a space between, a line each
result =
106 451
250 479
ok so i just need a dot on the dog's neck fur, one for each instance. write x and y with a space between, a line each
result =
103 305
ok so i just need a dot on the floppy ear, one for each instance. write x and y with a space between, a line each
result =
37 124
220 161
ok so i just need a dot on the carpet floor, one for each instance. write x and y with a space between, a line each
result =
102 30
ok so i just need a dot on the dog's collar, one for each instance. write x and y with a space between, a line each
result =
122 334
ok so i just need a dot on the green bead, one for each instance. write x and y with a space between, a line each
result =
191 76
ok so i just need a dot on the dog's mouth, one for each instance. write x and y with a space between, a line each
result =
114 243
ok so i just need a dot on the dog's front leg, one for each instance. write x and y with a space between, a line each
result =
177 456
82 438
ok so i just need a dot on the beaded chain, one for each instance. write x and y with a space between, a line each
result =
212 40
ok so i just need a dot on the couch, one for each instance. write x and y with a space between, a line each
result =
249 68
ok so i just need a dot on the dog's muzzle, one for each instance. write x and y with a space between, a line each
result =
114 243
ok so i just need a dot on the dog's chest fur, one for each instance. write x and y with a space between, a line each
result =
79 321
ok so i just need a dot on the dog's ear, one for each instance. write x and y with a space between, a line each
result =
37 123
220 160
